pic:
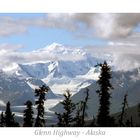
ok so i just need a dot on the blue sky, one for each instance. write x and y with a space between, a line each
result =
118 34
37 30
38 37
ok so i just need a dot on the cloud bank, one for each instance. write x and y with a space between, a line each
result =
117 29
123 53
106 26
10 55
10 26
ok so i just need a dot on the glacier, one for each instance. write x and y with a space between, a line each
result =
70 68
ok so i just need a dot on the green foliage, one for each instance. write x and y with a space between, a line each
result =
139 109
84 107
93 123
122 115
2 120
81 111
60 119
129 123
28 115
9 117
104 95
40 93
66 118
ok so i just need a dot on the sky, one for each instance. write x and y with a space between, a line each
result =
36 30
24 34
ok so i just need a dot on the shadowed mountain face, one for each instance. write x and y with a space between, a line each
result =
123 83
130 113
14 90
19 90
17 83
70 68
67 68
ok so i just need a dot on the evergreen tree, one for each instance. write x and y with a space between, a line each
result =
138 113
93 123
28 115
2 120
129 123
60 119
9 117
40 93
84 106
124 105
81 110
104 95
66 118
139 109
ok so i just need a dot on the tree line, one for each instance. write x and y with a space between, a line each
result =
74 114
7 119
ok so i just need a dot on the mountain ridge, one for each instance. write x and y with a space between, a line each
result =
70 68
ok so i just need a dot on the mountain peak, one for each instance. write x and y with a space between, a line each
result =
55 47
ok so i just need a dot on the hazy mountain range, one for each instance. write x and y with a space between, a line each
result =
69 68
20 79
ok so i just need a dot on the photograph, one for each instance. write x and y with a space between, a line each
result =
69 70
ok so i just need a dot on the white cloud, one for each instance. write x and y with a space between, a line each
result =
125 52
123 43
10 47
116 25
10 55
103 25
10 26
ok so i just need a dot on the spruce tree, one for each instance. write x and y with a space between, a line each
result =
84 106
28 114
93 123
2 120
40 93
139 109
60 119
66 118
129 123
138 113
124 105
104 95
81 110
9 117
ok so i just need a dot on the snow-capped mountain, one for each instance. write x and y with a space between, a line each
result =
18 90
123 83
62 68
69 68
